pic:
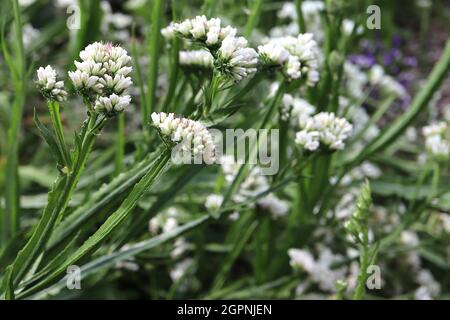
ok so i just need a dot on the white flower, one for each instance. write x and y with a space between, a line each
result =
301 259
409 238
254 184
200 29
120 20
26 3
49 87
165 222
213 202
376 73
180 247
171 223
320 270
196 58
437 139
129 263
392 86
356 80
293 67
295 108
387 84
112 104
180 269
193 135
429 287
274 205
236 59
168 32
273 54
65 3
330 130
117 84
424 4
102 77
303 57
348 26
230 168
83 82
29 35
445 220
309 140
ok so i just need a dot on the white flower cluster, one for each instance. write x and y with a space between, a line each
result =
164 222
273 54
355 80
232 55
26 3
196 58
311 11
200 29
296 109
193 135
323 129
48 85
386 83
277 207
29 35
213 202
254 184
437 139
365 170
302 59
236 59
320 270
429 287
102 77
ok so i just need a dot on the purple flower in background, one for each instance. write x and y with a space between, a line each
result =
364 61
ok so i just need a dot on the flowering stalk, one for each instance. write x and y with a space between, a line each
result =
58 200
113 221
191 135
101 80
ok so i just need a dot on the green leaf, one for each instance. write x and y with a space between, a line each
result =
107 228
110 260
87 214
50 138
26 257
233 255
7 289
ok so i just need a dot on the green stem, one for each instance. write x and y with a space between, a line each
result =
253 20
155 37
362 277
120 144
211 93
57 203
300 17
53 107
174 64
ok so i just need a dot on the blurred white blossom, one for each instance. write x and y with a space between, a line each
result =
49 86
